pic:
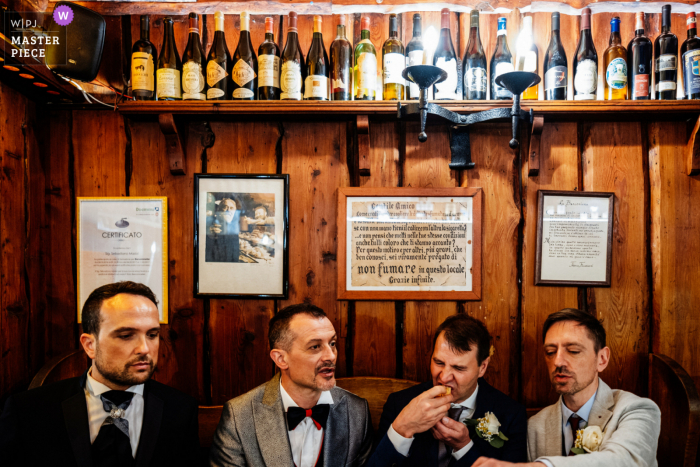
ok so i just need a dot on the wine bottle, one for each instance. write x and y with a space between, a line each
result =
143 65
501 62
690 56
585 62
446 59
528 57
218 62
555 65
414 55
317 66
639 55
474 62
615 59
665 58
244 73
193 64
168 85
365 65
341 65
269 65
393 64
292 59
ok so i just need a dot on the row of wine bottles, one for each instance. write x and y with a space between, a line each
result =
272 75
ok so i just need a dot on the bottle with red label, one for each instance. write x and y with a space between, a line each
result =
639 55
690 59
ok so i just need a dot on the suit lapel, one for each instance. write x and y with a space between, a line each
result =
271 427
75 415
600 413
335 443
553 437
152 416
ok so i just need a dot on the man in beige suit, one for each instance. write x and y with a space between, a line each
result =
613 427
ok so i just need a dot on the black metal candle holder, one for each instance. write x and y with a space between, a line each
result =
426 76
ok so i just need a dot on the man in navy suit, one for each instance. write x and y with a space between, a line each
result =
423 426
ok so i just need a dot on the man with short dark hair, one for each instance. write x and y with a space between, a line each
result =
114 414
590 425
298 418
425 425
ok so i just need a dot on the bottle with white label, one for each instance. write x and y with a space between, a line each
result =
665 58
414 55
615 61
168 87
474 63
501 62
528 57
143 65
218 63
585 62
341 64
291 82
244 73
269 65
365 66
393 64
445 58
193 62
317 66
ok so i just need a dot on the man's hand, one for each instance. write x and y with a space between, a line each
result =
451 432
487 462
423 412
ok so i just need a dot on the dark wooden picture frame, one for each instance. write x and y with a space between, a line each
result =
398 192
538 252
284 289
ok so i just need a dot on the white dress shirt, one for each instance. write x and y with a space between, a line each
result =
97 413
403 445
583 413
306 440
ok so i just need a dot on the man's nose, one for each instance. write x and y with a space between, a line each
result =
143 346
560 358
329 353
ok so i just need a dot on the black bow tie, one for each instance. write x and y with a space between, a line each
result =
319 415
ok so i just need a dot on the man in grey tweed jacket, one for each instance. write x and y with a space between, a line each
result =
298 418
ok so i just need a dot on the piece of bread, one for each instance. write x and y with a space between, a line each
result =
448 389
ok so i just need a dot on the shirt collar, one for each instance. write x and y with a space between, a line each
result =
470 402
584 412
288 402
96 388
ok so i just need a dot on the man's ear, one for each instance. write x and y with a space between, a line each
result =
89 343
280 358
603 358
484 366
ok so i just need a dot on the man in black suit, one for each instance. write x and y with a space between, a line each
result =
424 425
114 415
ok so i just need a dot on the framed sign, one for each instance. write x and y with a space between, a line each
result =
123 239
241 228
409 243
574 238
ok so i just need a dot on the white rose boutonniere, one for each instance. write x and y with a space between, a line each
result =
588 440
488 428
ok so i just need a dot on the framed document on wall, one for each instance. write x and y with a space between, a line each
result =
574 238
240 235
123 239
409 243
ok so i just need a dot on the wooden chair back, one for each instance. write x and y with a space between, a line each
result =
375 390
209 417
675 393
67 365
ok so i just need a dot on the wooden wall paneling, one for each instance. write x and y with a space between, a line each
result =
239 351
315 156
181 356
496 172
426 165
374 337
675 223
14 312
559 170
613 161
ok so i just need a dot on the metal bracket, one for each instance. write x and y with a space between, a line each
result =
692 151
175 143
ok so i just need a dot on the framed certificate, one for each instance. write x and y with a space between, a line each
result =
241 229
409 243
574 238
123 239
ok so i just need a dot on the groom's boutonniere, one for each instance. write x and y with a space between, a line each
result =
487 428
587 440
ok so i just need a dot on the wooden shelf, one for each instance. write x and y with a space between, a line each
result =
552 110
